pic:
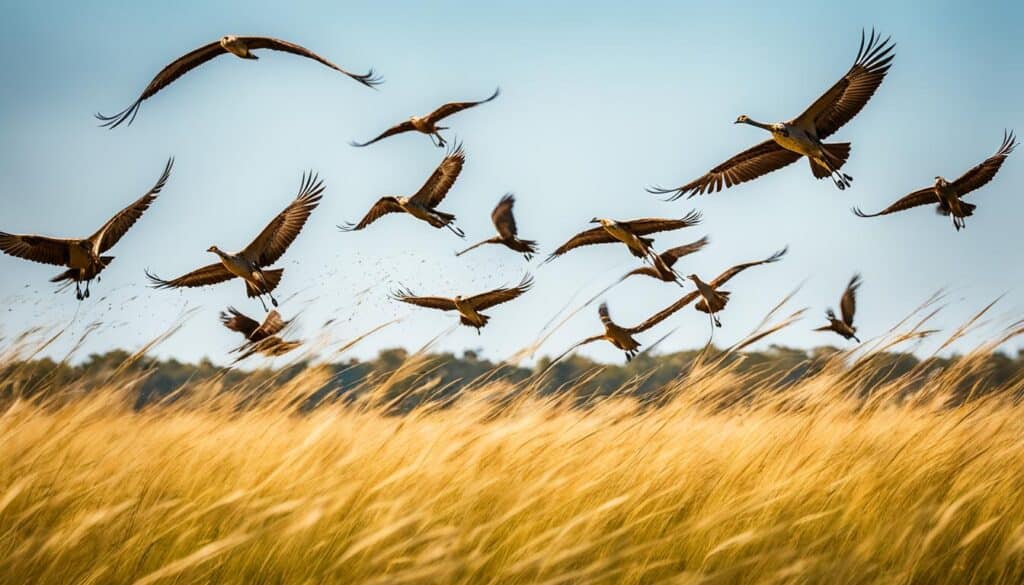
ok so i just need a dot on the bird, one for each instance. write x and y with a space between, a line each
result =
668 260
422 205
259 338
803 135
622 337
428 124
240 46
507 236
84 258
713 300
469 308
847 306
251 263
946 195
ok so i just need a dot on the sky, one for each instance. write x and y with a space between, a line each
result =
599 100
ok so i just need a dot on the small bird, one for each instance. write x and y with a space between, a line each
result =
714 300
668 260
468 307
83 257
804 135
947 194
847 306
423 204
507 236
259 338
251 263
239 46
622 337
428 124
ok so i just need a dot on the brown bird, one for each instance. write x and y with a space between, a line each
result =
622 337
251 263
803 135
847 306
507 236
240 47
428 124
946 195
84 256
668 260
714 300
259 338
468 307
423 204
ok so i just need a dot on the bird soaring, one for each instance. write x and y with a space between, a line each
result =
507 236
259 338
428 124
239 46
847 306
84 257
946 195
668 260
622 337
713 300
803 135
251 263
469 308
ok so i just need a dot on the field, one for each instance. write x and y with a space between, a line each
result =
719 479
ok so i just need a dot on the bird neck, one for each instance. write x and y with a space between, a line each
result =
757 124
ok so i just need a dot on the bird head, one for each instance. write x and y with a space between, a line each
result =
742 119
693 277
228 39
940 182
213 249
457 298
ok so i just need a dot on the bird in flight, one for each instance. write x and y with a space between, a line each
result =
847 306
260 338
423 204
469 308
84 257
668 260
507 236
946 195
239 46
713 300
803 135
622 337
251 263
428 124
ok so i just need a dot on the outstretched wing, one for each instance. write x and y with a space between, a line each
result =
272 242
455 107
118 226
503 219
847 97
42 249
272 325
728 274
369 79
396 129
235 320
745 166
670 256
501 295
441 180
589 237
382 207
848 304
665 313
207 275
406 296
984 172
915 199
642 227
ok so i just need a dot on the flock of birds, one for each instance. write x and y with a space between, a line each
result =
803 136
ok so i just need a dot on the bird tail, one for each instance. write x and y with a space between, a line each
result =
838 153
270 277
968 208
719 299
524 246
483 321
69 275
75 275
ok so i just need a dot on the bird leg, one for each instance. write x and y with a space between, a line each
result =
714 319
262 302
86 294
78 291
455 230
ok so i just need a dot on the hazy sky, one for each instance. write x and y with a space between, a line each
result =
600 99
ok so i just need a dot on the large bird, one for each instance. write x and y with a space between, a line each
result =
260 338
428 124
804 135
946 195
469 308
666 269
251 263
423 204
847 306
235 45
713 300
84 257
507 236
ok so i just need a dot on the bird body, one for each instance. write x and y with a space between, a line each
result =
712 299
428 124
236 46
848 307
508 234
259 338
664 270
469 308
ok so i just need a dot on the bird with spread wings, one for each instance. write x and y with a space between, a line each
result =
668 260
508 233
469 308
260 338
847 306
714 300
428 124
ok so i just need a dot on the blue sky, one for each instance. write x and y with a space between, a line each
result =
599 100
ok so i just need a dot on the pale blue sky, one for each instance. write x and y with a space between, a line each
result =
600 99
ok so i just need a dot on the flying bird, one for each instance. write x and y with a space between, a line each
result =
259 338
240 47
713 300
84 257
804 135
423 204
668 260
847 306
251 263
507 236
946 195
428 124
469 308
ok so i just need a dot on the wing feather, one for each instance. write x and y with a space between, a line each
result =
643 227
455 107
589 237
382 207
746 166
726 276
42 249
670 256
279 234
501 295
665 313
396 129
406 296
117 226
986 171
915 199
848 304
441 180
369 79
503 219
207 275
237 321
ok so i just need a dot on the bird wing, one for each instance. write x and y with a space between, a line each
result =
272 325
503 219
847 97
235 320
984 172
272 242
642 227
589 237
368 79
745 166
915 199
406 296
664 313
42 249
441 180
382 207
165 77
455 107
848 304
117 226
396 129
728 274
670 256
207 275
500 295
